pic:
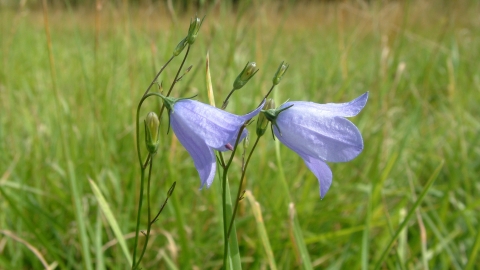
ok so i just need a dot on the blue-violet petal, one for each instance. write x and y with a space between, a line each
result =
321 170
333 139
202 154
347 109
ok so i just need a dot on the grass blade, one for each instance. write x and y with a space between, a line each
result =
432 179
99 256
262 232
208 81
298 241
79 217
111 220
234 252
473 255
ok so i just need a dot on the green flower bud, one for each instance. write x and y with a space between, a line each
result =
180 47
280 71
194 28
246 142
172 188
247 73
262 122
152 126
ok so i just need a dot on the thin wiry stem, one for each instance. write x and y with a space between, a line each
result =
269 91
178 72
174 80
237 200
225 103
137 123
142 173
158 74
137 229
149 226
224 194
224 211
142 164
169 193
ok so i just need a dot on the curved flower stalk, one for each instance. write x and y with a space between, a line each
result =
319 133
201 128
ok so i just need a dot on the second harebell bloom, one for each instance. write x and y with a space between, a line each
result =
319 133
202 128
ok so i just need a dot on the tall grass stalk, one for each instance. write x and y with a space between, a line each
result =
411 212
62 116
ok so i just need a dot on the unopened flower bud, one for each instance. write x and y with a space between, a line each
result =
172 188
194 28
262 122
246 142
248 71
280 71
152 126
180 47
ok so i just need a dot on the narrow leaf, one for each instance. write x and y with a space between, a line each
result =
208 80
262 232
111 220
432 179
299 242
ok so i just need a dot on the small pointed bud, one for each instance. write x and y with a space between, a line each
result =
172 188
195 24
247 73
280 71
152 125
180 47
246 142
229 146
262 122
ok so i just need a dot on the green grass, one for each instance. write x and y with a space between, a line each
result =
420 127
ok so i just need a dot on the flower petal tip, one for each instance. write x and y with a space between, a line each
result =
362 100
323 173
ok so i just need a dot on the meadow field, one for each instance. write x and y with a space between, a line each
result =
71 78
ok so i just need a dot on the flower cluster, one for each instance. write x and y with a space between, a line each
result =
318 133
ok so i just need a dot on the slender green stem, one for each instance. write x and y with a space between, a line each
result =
417 203
169 193
221 160
149 226
175 80
224 105
148 161
142 164
237 200
158 74
224 211
137 229
230 160
269 92
178 72
224 194
137 122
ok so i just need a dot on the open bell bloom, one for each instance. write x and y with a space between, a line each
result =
320 133
202 128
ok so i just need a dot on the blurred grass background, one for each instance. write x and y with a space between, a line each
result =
72 74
